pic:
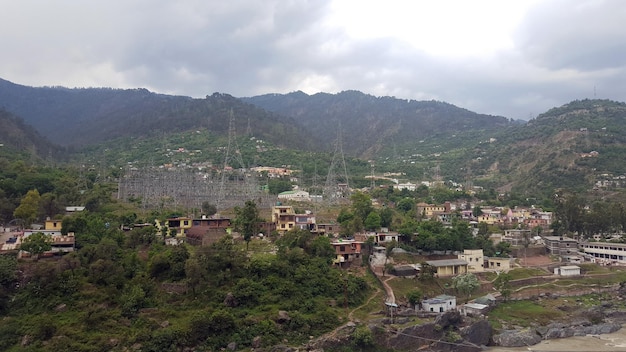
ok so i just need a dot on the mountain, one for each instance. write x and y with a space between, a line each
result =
369 124
580 146
19 140
92 115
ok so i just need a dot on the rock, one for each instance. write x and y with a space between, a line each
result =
165 324
449 318
230 300
256 342
26 340
283 317
114 342
232 346
517 338
61 308
478 333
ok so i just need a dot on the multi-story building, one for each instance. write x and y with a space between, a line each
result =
605 252
475 260
561 246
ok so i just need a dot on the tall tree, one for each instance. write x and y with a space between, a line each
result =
29 207
247 220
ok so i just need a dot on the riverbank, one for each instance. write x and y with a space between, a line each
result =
615 341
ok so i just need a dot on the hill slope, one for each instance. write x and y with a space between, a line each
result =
18 139
93 115
369 124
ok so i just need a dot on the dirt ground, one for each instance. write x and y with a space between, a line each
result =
542 260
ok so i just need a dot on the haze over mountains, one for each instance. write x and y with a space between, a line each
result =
551 151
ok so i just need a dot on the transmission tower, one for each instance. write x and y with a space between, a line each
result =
234 190
334 188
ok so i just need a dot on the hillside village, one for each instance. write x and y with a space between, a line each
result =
524 229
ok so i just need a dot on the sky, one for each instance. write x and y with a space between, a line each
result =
514 58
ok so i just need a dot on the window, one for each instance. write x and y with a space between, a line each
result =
497 264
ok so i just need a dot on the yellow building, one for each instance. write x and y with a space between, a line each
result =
53 225
284 217
180 225
449 267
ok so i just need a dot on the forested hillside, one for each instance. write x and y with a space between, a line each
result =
85 116
371 126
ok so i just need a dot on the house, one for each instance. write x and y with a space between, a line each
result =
439 304
207 230
305 221
605 252
327 229
473 309
428 211
475 260
559 245
54 225
517 237
449 267
178 225
296 195
498 264
347 251
284 218
567 270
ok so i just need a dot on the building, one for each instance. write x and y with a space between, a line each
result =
207 230
327 229
475 260
449 267
567 270
284 217
428 211
439 304
347 251
179 225
473 309
605 252
297 195
498 264
561 246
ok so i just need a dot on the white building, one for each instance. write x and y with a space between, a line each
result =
567 270
440 304
296 195
605 252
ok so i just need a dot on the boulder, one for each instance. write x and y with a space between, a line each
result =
517 338
478 333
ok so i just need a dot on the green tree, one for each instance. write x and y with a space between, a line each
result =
503 284
29 207
209 208
466 284
372 222
414 297
247 220
36 244
361 205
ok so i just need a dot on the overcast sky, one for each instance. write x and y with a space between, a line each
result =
512 58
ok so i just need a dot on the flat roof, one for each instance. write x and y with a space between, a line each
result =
446 262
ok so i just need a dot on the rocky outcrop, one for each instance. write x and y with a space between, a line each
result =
517 338
532 336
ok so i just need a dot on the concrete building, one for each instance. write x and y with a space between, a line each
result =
605 252
449 267
561 246
567 270
475 260
439 304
